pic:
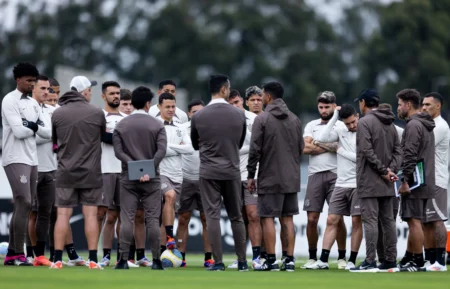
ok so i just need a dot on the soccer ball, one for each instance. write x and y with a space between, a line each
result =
171 258
3 249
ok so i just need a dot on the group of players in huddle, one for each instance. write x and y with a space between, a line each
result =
338 162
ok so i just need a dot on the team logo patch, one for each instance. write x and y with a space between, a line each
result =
307 203
178 133
163 186
23 179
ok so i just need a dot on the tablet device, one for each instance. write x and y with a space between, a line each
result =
137 169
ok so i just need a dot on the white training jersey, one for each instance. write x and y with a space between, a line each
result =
46 157
399 132
111 164
179 117
245 150
19 142
346 154
326 161
191 162
178 143
441 140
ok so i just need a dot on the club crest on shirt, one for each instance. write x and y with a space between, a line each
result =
249 127
23 179
178 133
36 110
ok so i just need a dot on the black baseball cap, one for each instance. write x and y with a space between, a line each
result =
367 94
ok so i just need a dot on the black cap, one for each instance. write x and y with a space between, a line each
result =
367 94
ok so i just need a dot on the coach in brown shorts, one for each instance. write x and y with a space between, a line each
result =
78 128
277 145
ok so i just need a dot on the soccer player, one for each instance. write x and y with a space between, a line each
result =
140 137
418 144
178 143
380 243
276 142
253 96
53 93
78 128
436 208
125 101
190 198
45 194
218 132
250 198
21 123
321 177
378 156
169 86
344 199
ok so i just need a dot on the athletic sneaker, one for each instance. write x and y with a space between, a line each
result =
288 267
427 264
217 267
208 263
76 262
132 264
386 266
350 265
318 265
342 264
93 265
365 267
266 266
42 261
30 260
183 264
105 262
409 267
170 243
242 266
256 263
436 267
234 265
308 264
144 262
57 265
18 260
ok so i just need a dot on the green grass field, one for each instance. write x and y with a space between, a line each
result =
195 277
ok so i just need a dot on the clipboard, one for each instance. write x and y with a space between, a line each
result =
415 183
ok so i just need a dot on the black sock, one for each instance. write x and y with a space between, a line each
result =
284 254
163 248
30 252
271 258
418 259
427 254
169 231
440 256
118 252
381 260
263 255
132 252
408 257
289 259
39 249
432 255
208 256
11 253
342 254
107 253
324 256
184 255
140 254
256 252
58 255
71 252
52 253
313 254
93 256
353 256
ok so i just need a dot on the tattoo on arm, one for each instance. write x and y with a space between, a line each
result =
329 147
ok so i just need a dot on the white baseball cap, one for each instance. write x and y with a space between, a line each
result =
81 83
